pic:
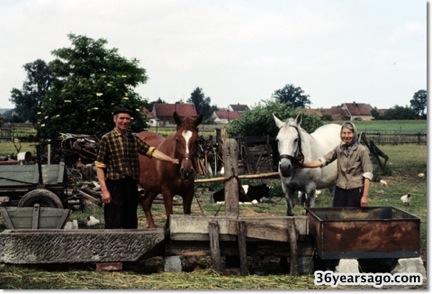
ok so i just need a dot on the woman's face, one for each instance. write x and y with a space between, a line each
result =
347 135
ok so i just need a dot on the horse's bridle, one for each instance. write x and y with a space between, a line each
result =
298 157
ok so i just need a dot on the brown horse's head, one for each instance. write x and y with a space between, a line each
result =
186 138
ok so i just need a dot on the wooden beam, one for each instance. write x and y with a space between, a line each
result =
242 247
213 228
231 184
242 177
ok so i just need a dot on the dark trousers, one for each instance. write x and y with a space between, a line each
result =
121 213
347 198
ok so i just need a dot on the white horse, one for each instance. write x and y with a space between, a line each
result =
296 145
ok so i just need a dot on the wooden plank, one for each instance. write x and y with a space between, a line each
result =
242 248
214 245
272 228
6 218
247 177
293 248
36 213
29 218
231 186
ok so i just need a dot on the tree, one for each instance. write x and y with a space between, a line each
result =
259 120
399 113
202 103
419 103
90 81
293 96
376 114
28 100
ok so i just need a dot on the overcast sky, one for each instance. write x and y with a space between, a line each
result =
237 51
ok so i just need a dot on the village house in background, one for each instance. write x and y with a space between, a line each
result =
346 112
161 114
225 115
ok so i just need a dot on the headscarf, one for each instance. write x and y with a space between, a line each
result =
349 125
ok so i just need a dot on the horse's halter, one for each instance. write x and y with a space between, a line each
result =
298 157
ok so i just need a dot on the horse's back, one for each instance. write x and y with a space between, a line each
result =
152 139
328 136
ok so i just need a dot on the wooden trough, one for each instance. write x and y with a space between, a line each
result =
34 217
241 237
370 232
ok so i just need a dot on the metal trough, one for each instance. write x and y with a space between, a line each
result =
371 232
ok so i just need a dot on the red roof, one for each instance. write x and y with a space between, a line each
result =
359 109
165 112
239 107
226 114
149 114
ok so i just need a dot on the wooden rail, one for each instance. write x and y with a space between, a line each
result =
248 177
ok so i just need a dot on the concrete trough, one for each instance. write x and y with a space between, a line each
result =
78 246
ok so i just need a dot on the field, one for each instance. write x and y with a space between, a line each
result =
406 162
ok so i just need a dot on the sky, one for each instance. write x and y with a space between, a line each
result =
236 51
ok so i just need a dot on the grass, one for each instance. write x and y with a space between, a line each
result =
406 162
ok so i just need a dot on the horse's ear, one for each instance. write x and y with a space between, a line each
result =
278 122
177 119
299 118
199 119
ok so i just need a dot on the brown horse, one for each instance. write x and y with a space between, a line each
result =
161 177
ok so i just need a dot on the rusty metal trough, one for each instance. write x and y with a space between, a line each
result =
371 232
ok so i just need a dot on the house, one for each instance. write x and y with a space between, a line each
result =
346 112
224 116
163 112
152 119
358 111
238 107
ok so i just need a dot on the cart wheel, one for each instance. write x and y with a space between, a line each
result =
44 198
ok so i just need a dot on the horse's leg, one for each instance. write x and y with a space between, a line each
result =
168 203
310 200
146 203
187 200
302 197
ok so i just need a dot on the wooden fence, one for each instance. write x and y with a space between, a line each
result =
397 137
22 131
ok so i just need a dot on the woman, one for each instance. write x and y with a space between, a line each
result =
354 169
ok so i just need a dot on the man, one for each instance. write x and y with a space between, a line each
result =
117 166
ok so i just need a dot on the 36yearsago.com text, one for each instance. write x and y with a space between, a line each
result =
376 280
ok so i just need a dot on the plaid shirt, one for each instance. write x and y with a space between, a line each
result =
118 155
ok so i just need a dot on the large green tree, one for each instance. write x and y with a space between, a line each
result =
28 100
419 103
90 81
259 120
399 113
202 104
293 96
